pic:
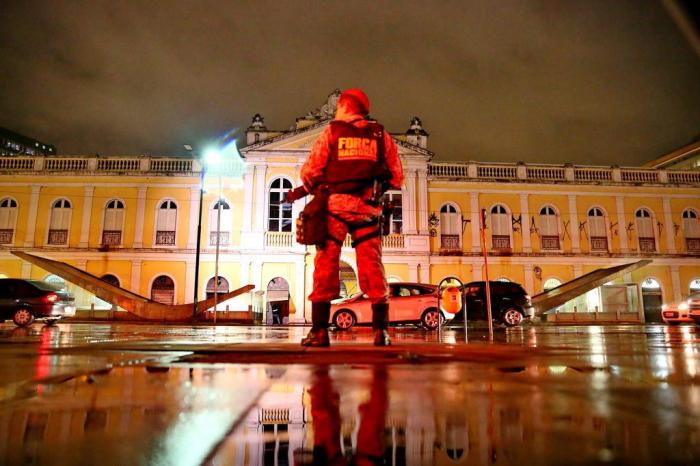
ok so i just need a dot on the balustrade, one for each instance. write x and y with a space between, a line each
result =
599 243
111 237
6 236
500 242
692 244
223 238
647 244
58 237
550 242
165 238
279 239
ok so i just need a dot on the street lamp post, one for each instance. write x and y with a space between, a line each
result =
195 311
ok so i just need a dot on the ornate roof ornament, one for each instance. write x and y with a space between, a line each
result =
327 110
416 127
258 123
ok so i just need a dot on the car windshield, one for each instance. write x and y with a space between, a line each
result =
45 285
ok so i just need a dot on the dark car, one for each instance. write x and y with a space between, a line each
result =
510 303
694 307
26 300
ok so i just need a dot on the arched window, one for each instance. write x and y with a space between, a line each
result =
691 230
163 290
166 222
597 231
449 228
112 280
113 222
551 283
59 224
218 289
549 228
393 221
645 231
279 215
500 228
222 225
8 220
695 285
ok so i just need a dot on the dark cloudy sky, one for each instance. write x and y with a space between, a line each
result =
582 81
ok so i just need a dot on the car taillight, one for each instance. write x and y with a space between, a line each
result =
51 298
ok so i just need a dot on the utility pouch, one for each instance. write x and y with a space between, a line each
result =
312 223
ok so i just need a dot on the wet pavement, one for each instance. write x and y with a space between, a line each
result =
131 394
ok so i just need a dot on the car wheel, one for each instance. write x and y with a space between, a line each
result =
23 317
344 319
431 318
512 317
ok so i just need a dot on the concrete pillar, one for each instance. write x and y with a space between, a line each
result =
476 234
477 271
578 270
87 213
140 215
668 220
573 225
31 217
525 222
621 223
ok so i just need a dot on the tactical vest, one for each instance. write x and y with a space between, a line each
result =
356 158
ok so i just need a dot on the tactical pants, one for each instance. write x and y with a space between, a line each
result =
370 269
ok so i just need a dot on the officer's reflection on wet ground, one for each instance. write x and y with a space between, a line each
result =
325 412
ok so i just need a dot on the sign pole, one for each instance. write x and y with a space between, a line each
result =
482 221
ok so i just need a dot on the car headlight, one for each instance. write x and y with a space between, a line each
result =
683 306
664 307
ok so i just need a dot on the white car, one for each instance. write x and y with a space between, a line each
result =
409 303
676 313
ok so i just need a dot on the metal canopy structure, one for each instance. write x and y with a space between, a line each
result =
567 291
136 304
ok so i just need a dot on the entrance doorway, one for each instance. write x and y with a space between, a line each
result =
163 290
112 280
348 280
652 299
277 301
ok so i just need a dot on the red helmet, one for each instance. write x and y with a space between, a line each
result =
359 96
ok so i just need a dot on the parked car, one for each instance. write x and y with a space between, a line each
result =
694 307
510 303
23 301
676 313
409 303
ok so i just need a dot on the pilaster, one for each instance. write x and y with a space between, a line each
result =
422 202
87 213
299 288
676 283
260 199
408 197
248 198
525 222
474 208
413 272
136 276
622 234
194 217
26 269
189 279
31 217
573 225
668 220
140 214
529 282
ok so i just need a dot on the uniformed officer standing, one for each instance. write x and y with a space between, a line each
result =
354 157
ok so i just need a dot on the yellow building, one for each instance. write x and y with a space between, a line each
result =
133 220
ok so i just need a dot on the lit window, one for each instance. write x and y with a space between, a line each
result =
223 223
549 228
597 230
393 222
113 221
279 214
59 223
501 226
166 223
449 228
645 231
8 220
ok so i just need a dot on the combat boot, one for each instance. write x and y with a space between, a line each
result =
318 335
380 323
